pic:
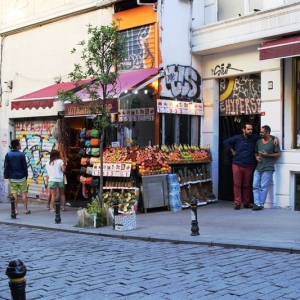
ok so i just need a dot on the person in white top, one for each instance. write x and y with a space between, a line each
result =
55 168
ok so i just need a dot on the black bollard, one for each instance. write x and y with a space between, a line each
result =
195 228
116 209
57 211
13 207
16 272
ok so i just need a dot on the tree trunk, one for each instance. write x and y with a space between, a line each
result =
101 167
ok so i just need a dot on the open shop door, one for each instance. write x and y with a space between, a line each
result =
230 126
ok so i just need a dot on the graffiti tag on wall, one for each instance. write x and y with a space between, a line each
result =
240 95
222 70
3 187
183 81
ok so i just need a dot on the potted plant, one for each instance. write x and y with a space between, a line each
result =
92 216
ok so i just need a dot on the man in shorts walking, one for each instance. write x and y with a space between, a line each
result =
18 174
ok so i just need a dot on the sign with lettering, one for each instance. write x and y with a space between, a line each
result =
136 114
180 107
83 109
112 170
240 95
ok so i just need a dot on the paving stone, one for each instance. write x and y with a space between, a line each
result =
94 267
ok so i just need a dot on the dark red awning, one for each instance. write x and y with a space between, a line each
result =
43 98
287 47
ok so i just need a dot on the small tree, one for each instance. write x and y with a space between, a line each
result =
102 56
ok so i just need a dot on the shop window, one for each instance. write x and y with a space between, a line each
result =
228 10
234 8
179 130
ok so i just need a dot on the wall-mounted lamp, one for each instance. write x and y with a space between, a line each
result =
57 79
9 84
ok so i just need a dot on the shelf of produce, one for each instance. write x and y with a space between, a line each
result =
183 162
194 182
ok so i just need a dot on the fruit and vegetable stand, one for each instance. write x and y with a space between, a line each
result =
151 164
135 174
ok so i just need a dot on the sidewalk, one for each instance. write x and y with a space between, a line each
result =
219 225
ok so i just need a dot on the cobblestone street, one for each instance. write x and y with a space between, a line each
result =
64 265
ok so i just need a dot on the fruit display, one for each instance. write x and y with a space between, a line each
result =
147 160
179 154
153 160
127 199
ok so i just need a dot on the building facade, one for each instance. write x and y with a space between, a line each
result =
238 62
248 52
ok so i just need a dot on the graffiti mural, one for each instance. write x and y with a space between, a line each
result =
140 48
36 144
183 82
3 186
240 95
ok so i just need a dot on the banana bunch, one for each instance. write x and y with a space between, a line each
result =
129 140
165 148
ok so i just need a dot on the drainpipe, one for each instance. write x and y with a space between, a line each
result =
152 4
1 55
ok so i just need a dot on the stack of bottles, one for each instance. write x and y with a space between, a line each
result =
174 192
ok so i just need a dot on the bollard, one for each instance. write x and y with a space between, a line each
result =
195 228
13 207
116 209
57 211
16 272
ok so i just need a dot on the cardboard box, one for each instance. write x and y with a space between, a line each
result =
125 222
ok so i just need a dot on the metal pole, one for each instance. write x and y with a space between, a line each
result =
116 209
57 211
16 272
195 228
13 207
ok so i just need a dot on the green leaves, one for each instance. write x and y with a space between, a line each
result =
101 56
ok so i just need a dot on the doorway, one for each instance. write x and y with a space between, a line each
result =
228 127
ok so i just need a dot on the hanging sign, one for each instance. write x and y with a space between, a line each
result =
180 107
136 114
112 170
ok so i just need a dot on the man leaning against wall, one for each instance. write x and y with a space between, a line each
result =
266 154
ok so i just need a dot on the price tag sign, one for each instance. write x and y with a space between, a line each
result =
180 107
114 170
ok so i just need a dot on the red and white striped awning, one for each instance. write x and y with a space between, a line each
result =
287 47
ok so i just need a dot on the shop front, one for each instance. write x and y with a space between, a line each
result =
239 103
37 122
247 90
134 164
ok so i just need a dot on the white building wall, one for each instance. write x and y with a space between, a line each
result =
236 41
175 19
33 56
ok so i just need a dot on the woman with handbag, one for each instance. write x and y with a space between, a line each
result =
55 168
